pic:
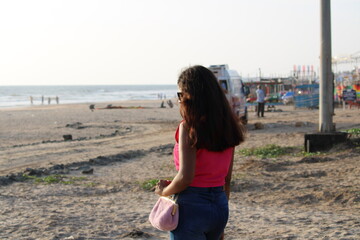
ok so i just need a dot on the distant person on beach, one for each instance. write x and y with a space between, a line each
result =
203 156
162 105
92 107
31 100
260 99
57 99
42 99
169 102
49 100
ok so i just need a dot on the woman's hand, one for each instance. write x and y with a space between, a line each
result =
160 186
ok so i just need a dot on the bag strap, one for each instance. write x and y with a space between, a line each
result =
175 197
175 207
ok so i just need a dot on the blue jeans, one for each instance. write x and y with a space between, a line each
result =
203 214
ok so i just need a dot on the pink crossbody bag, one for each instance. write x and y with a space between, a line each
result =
165 214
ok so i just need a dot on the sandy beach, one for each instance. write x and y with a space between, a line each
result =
99 189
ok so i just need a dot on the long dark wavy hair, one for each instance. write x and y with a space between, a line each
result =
206 111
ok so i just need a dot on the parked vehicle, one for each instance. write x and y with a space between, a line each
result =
234 89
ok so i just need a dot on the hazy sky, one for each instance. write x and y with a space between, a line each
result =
149 41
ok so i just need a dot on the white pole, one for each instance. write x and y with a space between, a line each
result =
326 99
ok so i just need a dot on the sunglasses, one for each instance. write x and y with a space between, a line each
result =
179 95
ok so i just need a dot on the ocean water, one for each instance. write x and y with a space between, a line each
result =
19 96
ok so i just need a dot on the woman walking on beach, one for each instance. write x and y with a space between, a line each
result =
203 156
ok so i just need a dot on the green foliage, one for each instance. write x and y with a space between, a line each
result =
268 151
309 154
28 177
353 132
51 179
149 184
274 151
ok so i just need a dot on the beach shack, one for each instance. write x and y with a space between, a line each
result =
273 88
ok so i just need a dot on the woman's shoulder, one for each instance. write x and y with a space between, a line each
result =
184 133
183 128
183 125
179 129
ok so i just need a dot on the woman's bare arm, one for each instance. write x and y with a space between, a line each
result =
185 176
228 177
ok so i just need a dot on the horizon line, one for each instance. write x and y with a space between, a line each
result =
76 85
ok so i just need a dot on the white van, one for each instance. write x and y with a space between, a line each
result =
234 89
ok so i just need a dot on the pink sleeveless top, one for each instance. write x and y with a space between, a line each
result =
211 167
